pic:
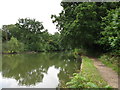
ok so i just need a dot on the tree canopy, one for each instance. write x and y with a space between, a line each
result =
87 25
32 34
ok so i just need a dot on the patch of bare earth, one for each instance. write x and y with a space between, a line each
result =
110 76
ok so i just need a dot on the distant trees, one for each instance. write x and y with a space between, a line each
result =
8 31
31 35
13 46
30 32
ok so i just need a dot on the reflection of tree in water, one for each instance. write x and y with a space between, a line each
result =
23 68
28 69
0 62
69 67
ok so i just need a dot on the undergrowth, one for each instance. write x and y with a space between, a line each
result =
89 77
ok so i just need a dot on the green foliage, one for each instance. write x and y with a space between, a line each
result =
79 81
111 61
111 33
77 29
80 50
81 25
13 46
8 31
32 34
89 77
86 25
76 52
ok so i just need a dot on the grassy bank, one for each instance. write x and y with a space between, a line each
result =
111 61
91 73
89 77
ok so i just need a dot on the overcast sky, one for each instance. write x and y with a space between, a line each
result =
41 10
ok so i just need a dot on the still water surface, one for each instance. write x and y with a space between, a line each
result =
41 70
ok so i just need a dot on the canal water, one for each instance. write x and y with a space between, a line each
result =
41 70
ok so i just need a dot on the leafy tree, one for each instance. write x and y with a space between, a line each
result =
80 23
13 46
29 29
55 41
111 33
8 31
77 24
30 32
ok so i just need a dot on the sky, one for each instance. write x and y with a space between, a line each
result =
41 10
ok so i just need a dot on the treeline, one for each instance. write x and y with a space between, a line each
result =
92 26
29 35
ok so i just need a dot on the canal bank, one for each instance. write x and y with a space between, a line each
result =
94 74
89 76
107 73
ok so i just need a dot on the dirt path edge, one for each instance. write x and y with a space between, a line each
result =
110 76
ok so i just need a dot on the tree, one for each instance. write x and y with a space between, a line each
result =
8 31
77 24
13 46
80 23
30 32
29 29
111 33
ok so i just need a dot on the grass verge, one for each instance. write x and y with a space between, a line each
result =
112 62
90 72
89 77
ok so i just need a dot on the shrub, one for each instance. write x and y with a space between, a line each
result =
79 81
111 33
111 61
80 51
13 46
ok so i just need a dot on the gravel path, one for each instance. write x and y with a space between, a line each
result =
107 73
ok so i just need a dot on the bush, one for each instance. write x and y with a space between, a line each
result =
80 51
13 46
111 61
79 81
111 32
